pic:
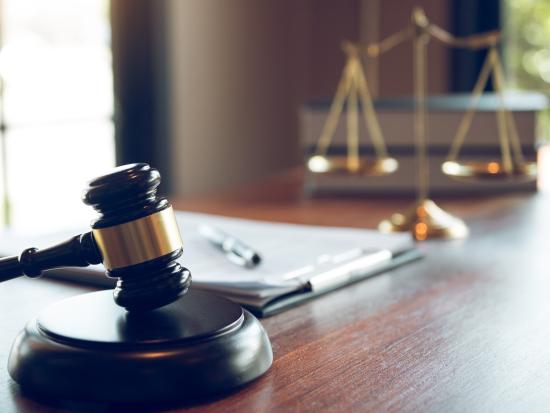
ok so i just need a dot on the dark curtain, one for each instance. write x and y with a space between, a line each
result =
471 17
139 69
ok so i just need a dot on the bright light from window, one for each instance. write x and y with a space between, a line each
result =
58 103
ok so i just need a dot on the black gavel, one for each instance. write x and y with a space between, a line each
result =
136 237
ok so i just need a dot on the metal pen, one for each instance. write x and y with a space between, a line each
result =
236 251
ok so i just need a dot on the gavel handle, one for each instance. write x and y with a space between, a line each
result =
79 251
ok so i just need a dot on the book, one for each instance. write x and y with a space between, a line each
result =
299 262
396 118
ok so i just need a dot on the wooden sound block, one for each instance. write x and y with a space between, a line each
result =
87 348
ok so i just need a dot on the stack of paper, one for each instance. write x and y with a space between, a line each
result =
296 259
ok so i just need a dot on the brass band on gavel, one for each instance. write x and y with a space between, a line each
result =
138 241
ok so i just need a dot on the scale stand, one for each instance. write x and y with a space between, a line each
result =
424 219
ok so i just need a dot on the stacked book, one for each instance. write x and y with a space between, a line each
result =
396 118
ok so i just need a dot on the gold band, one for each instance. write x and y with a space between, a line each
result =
137 241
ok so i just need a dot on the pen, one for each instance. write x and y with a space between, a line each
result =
236 251
355 267
340 268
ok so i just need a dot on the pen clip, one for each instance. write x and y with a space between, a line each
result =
239 260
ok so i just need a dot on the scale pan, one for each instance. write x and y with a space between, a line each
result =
341 165
493 170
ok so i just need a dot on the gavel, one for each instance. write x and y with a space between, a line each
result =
194 344
136 237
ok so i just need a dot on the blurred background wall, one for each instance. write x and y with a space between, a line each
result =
207 91
239 71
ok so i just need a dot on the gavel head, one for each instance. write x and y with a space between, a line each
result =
138 237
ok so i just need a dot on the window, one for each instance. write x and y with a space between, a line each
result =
527 50
57 109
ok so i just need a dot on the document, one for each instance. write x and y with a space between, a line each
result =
297 259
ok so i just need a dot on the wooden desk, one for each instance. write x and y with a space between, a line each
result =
465 329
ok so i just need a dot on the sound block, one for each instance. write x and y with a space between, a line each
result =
86 348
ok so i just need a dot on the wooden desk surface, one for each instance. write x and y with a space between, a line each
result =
465 329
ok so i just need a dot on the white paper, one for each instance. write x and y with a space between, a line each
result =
290 253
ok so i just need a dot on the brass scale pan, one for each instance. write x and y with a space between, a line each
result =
492 170
340 164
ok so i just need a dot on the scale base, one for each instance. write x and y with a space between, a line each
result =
425 220
86 348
